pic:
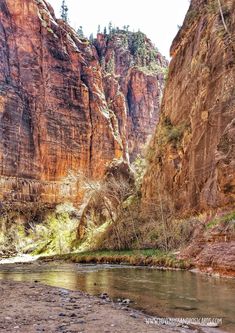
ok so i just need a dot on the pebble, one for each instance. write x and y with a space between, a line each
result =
124 308
104 296
73 315
126 301
133 315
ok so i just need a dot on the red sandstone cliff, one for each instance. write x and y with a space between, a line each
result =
192 156
133 77
60 112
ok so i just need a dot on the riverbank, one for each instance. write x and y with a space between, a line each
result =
32 307
148 257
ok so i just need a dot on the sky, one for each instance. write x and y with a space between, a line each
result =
158 19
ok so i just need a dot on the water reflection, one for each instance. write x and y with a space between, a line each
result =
162 293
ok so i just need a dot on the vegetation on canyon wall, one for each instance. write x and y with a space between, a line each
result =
45 230
110 220
176 193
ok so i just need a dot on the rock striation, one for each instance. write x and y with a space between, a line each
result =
133 79
192 154
61 112
191 170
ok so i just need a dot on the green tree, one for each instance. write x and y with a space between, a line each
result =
64 11
91 38
137 43
80 32
126 28
110 28
98 29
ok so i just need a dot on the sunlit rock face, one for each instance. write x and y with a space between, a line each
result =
60 112
192 156
133 77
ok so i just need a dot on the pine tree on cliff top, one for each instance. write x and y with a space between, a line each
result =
64 11
80 32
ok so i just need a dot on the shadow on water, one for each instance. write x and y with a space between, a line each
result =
160 293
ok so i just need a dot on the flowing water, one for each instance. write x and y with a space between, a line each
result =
160 293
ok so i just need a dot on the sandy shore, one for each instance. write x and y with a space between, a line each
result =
32 307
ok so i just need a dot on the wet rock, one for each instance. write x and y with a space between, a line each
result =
104 296
133 315
126 301
125 308
72 315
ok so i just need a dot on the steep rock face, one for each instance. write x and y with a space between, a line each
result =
192 156
55 114
52 105
133 77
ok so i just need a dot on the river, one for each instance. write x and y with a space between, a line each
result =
160 293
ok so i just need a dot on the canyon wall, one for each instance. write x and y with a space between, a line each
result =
61 112
192 155
191 172
134 77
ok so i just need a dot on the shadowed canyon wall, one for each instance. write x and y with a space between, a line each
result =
61 112
192 155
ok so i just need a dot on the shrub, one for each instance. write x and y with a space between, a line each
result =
28 232
227 219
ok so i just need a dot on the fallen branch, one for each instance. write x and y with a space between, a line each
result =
222 16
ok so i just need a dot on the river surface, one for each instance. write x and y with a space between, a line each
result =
159 293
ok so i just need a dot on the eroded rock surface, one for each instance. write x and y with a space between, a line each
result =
192 156
61 113
134 75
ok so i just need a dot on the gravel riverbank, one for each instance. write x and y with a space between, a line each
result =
32 307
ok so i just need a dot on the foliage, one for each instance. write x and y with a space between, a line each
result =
54 233
110 66
64 11
137 44
225 219
169 133
91 38
58 233
80 32
139 167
